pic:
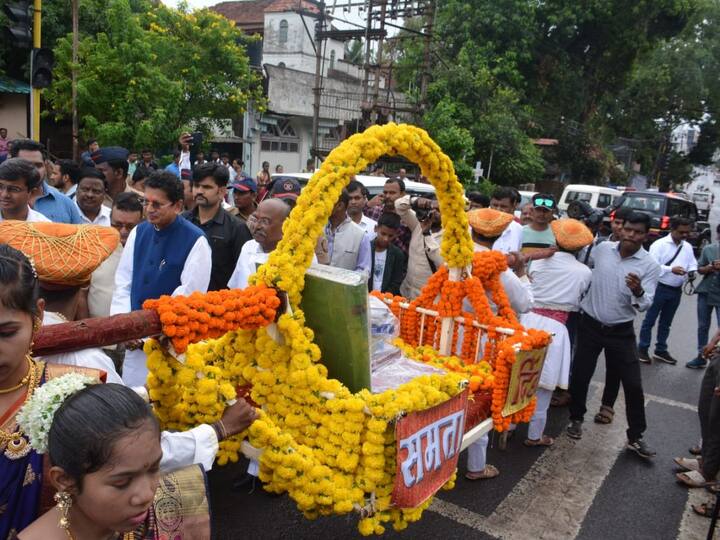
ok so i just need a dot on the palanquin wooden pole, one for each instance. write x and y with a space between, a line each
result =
97 332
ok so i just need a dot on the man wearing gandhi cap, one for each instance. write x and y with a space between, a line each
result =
487 226
558 282
112 162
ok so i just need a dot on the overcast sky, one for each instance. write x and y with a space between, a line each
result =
192 3
354 17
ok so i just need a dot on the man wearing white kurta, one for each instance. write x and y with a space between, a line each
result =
558 284
505 199
487 226
166 255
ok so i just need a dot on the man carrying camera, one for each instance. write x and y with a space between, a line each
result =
708 298
676 259
422 217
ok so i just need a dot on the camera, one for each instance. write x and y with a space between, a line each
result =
582 211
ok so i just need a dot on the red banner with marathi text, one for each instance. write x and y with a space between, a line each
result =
428 445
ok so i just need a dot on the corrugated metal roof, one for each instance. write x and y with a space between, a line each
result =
13 86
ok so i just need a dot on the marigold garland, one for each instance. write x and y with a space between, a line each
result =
332 451
199 316
286 265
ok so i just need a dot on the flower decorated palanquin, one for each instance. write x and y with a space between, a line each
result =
333 451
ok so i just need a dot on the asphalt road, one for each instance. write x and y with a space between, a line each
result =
591 489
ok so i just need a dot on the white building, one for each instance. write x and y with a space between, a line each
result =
283 134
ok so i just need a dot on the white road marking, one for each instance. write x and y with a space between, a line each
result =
549 502
656 399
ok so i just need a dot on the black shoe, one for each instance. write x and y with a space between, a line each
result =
664 357
643 356
641 449
574 430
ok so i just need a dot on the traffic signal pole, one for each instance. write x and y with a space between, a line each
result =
35 96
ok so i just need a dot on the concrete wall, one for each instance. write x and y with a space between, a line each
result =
291 161
297 52
14 114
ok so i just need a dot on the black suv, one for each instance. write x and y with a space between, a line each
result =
661 207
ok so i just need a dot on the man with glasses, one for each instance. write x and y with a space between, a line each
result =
538 241
19 179
47 200
91 190
164 255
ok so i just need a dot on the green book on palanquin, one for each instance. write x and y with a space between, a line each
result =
335 302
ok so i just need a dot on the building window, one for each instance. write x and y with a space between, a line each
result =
280 137
283 31
332 59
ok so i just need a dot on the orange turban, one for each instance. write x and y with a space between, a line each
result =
488 222
64 255
571 234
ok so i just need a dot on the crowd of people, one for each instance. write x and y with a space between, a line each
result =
206 225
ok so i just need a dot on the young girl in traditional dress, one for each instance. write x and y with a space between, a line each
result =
21 468
104 452
25 489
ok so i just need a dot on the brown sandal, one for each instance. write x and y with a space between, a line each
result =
542 441
490 471
605 415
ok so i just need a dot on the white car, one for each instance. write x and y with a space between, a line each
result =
599 197
374 184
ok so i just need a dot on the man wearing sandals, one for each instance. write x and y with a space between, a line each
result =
703 472
558 284
623 282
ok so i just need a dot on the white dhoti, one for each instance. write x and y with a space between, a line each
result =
556 370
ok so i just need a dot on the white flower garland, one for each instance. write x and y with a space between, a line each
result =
36 415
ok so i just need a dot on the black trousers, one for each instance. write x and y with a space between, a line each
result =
709 413
621 354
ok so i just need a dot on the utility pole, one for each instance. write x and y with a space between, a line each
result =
425 79
378 69
75 46
318 80
35 96
366 63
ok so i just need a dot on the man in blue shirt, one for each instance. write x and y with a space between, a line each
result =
50 202
174 167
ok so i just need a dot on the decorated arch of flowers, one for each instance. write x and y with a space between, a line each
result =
333 451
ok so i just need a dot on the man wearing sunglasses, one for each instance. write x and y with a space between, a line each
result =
164 255
538 241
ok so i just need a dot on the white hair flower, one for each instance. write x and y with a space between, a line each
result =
36 416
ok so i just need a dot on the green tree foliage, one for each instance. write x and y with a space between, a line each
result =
518 70
143 77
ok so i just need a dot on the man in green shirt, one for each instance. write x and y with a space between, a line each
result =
708 297
538 241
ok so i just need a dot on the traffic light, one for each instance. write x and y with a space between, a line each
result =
19 29
43 61
665 162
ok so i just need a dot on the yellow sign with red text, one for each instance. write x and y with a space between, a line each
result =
524 378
